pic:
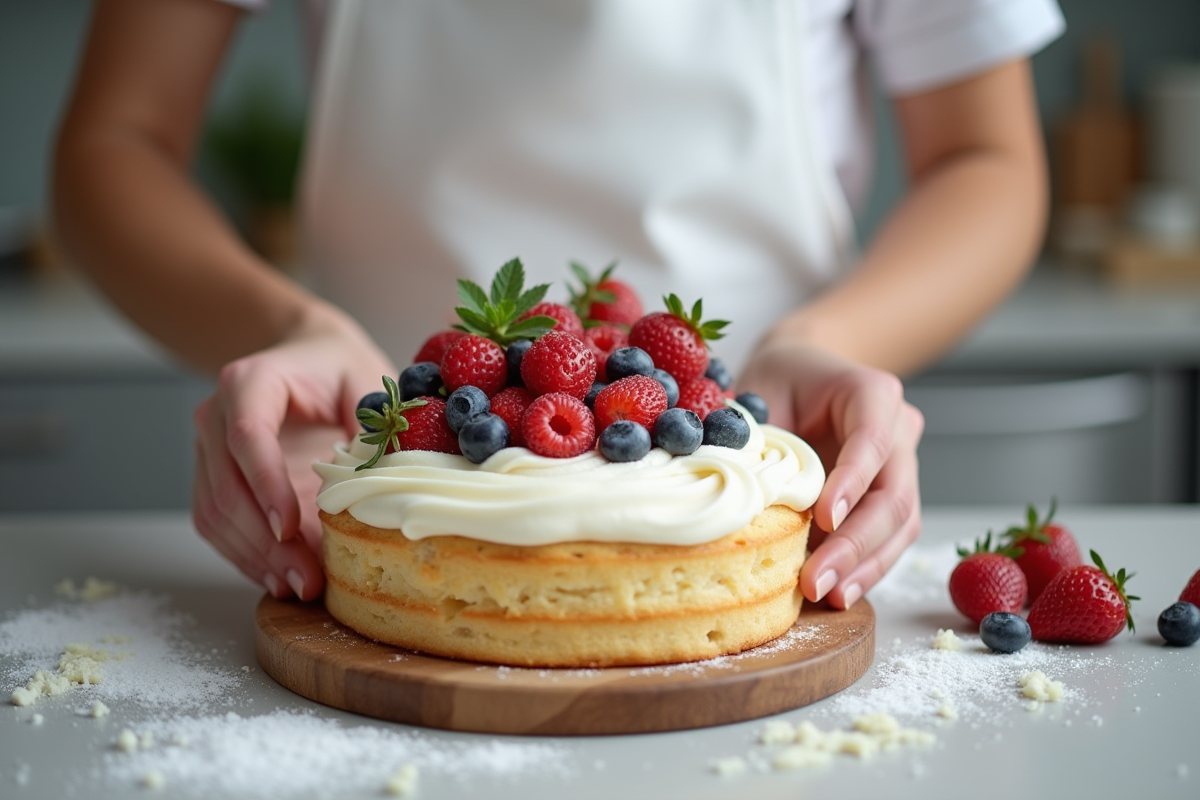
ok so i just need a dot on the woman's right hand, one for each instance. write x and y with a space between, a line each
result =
273 413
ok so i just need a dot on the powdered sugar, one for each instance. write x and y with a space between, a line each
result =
798 637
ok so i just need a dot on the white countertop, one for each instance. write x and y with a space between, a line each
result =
1125 728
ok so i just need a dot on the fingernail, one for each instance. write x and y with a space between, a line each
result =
827 581
840 509
276 524
851 595
296 582
273 586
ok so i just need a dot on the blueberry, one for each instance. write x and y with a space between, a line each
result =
726 427
717 371
755 405
590 400
624 440
373 401
513 354
669 383
1004 632
483 435
420 380
463 403
678 431
626 361
1179 624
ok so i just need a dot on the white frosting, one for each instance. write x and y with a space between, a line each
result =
519 498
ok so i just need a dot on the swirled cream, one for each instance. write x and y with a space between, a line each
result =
519 498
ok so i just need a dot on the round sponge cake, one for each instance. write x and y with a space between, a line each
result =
573 604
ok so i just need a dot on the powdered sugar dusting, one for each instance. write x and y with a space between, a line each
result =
798 637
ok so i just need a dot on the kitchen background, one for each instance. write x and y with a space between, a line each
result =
1084 386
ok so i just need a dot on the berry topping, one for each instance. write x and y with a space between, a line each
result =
624 440
510 405
701 395
589 399
726 427
1047 548
603 340
1004 632
428 429
422 378
503 315
669 384
678 431
1179 624
558 425
639 398
1083 605
559 362
626 361
987 580
717 371
482 436
372 402
475 361
675 339
513 354
755 405
604 299
387 424
565 319
464 403
435 346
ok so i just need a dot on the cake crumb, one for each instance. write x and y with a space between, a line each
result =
1036 686
403 781
778 731
947 711
92 590
37 719
154 780
1033 705
99 710
42 684
127 741
800 757
732 765
946 640
878 724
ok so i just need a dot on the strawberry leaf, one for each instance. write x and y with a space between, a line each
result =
388 424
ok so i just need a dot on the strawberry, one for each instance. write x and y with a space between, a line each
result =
564 318
602 340
604 299
1048 549
428 429
1082 605
435 346
502 314
639 398
475 361
558 362
986 581
510 405
392 419
1191 592
558 425
701 395
675 339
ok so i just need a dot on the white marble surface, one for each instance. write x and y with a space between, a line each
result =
1126 728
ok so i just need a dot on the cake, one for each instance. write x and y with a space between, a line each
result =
600 556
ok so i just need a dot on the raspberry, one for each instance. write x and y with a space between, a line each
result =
510 405
700 395
638 398
435 346
568 320
475 361
428 429
557 362
602 340
558 425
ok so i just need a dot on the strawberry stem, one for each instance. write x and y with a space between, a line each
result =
385 426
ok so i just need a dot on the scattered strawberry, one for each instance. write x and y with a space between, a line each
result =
428 429
503 314
510 405
475 361
558 425
1048 549
986 581
565 319
675 339
1191 592
604 299
435 346
385 421
558 362
602 340
639 398
1082 605
701 395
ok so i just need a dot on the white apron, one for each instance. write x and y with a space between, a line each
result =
674 136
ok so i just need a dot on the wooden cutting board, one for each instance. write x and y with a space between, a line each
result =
305 649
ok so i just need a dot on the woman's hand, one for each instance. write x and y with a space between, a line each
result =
856 418
275 412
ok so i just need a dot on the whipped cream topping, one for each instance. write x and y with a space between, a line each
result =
519 498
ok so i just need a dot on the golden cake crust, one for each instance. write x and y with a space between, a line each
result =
574 604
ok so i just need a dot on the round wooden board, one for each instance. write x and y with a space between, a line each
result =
308 651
